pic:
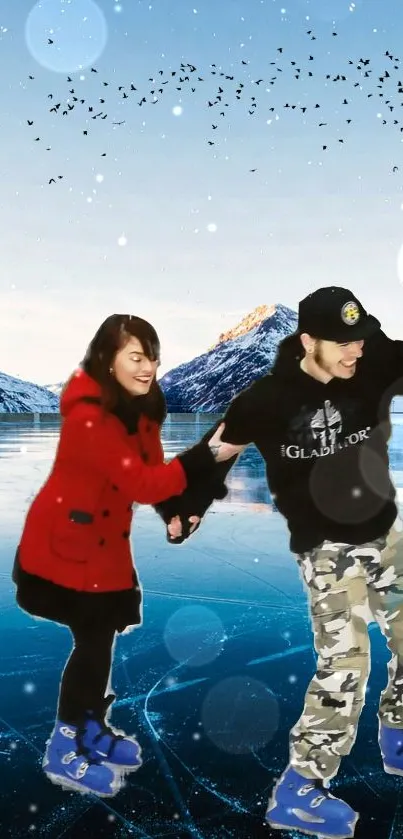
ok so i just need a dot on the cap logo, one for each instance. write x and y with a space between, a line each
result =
350 313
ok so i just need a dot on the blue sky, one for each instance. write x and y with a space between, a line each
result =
167 226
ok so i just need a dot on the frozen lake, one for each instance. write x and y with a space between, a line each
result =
225 617
27 452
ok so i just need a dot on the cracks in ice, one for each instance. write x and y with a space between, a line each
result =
19 735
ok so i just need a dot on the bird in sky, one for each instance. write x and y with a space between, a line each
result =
237 89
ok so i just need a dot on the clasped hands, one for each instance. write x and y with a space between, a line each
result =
225 452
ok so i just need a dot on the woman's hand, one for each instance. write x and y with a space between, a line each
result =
175 526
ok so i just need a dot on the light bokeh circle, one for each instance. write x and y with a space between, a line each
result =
77 28
240 715
194 636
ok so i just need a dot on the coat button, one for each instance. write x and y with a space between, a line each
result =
129 509
101 542
115 487
105 513
148 427
145 457
126 534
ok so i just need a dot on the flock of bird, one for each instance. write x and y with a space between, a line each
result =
230 89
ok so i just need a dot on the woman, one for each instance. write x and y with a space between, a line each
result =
74 563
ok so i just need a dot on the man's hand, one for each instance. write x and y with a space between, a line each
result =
223 451
175 526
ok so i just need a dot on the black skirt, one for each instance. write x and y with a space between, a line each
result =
44 599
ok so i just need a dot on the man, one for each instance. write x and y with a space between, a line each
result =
320 420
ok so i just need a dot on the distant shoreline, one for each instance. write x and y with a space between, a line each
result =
36 418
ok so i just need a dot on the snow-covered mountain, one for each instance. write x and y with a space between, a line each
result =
206 384
247 323
242 355
19 397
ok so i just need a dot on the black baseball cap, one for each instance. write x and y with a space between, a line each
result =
334 314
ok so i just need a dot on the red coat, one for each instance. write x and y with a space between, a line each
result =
77 529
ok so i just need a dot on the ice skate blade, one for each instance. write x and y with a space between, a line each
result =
317 833
72 786
390 770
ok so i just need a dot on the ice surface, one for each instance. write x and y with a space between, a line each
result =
196 781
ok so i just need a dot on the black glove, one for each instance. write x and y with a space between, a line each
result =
194 501
198 462
203 488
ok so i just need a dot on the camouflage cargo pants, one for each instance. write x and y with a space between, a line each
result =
345 584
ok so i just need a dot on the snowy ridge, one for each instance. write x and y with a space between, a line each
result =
210 381
205 384
19 397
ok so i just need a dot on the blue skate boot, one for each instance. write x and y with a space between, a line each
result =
67 763
304 804
105 744
391 745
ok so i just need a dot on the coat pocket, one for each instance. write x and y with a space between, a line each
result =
72 536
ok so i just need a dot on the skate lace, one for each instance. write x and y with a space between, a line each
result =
81 749
107 730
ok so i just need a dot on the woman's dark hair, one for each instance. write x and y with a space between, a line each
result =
289 350
111 336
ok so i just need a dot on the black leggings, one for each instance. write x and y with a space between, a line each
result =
86 675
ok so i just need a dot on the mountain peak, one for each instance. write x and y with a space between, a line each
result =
249 322
242 355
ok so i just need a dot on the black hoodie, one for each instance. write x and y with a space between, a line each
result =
324 445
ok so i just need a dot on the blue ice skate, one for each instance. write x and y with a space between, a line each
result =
67 763
105 744
304 804
391 745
